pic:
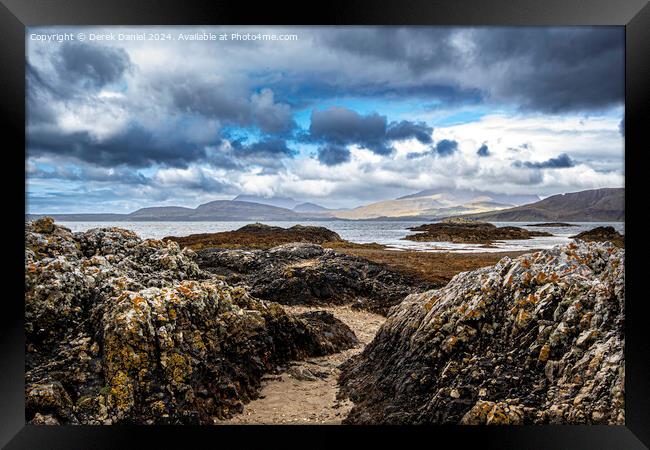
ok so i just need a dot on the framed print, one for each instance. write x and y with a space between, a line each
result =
248 222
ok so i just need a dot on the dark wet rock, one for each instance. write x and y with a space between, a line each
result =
324 325
124 330
258 235
602 234
464 231
537 339
308 274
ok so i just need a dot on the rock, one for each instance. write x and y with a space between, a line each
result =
334 336
51 399
493 413
536 339
44 225
302 374
258 235
602 234
465 231
308 274
124 330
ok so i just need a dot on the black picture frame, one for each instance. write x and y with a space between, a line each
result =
16 15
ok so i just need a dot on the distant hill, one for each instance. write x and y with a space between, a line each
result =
280 202
219 210
433 204
596 205
160 213
466 195
310 207
237 210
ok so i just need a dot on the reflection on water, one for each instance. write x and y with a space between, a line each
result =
389 233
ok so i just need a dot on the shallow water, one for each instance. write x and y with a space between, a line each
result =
389 233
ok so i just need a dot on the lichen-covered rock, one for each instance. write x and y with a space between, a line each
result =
537 339
302 273
66 273
121 330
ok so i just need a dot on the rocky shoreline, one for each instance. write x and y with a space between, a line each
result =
122 330
537 339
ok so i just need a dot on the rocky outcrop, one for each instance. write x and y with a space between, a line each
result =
537 339
602 234
124 330
464 231
257 235
309 274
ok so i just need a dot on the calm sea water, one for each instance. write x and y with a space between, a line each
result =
383 232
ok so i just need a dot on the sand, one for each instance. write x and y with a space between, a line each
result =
306 392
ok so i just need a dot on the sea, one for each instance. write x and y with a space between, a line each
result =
389 233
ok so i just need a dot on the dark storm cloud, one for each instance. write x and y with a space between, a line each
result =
90 173
562 161
342 126
551 70
443 148
134 146
229 103
80 68
207 99
91 65
557 69
137 147
407 130
331 155
416 155
276 148
419 47
446 147
39 98
483 151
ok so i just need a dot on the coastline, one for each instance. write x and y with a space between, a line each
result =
293 326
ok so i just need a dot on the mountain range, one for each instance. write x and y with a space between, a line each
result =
434 204
594 205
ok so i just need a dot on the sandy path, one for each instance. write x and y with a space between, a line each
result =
306 392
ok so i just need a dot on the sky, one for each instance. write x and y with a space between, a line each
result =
338 116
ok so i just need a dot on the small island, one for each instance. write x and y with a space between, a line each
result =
463 231
602 234
551 224
257 235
